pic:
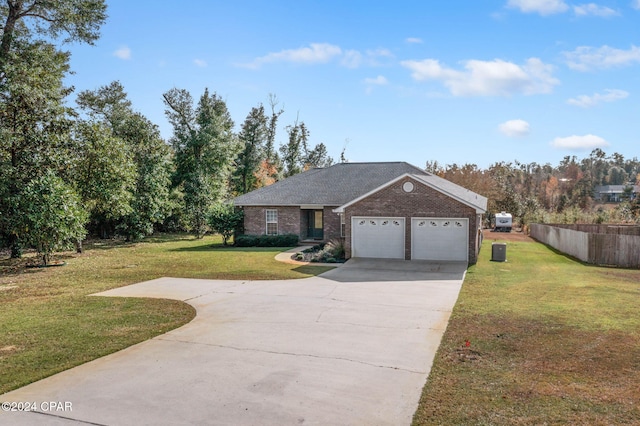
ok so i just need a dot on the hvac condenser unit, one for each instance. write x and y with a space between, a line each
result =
498 252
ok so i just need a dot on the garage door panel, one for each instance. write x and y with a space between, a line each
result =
379 237
439 238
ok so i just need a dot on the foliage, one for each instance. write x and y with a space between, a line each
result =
34 125
318 157
225 219
330 252
52 217
105 174
293 151
253 136
78 20
150 198
296 154
534 190
205 148
286 240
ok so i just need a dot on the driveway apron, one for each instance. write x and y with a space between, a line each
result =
352 346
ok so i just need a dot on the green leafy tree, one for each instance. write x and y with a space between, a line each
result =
150 203
225 219
318 157
76 20
105 175
205 147
35 125
294 151
52 216
253 137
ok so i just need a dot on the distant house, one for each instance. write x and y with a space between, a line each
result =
382 210
615 193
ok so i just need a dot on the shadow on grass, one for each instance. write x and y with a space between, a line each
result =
229 249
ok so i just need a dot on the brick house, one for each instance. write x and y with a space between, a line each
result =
382 210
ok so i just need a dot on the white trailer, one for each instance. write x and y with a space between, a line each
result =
504 222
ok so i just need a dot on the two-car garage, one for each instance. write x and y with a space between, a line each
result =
437 239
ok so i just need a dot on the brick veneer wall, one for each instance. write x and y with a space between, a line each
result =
422 202
255 220
331 223
291 220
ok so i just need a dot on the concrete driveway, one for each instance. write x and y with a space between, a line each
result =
353 346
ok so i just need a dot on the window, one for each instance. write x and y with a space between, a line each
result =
342 226
272 222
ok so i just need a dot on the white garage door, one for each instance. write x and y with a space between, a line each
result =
381 237
439 239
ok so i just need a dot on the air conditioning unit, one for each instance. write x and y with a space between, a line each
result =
498 252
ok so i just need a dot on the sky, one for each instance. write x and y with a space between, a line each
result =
455 81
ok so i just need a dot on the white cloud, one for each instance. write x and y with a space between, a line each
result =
487 78
543 7
377 81
635 4
123 53
351 59
514 128
586 58
586 101
316 53
592 9
200 63
416 40
579 143
321 53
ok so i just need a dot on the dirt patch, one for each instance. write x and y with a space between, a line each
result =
506 236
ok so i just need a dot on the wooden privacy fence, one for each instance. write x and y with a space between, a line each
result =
617 245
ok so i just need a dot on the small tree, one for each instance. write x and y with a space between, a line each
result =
225 219
53 218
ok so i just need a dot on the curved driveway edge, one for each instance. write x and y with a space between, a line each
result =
353 346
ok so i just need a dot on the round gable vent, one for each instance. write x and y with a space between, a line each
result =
407 186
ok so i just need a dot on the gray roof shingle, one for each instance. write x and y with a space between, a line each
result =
344 182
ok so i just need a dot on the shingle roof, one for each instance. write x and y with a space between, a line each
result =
330 186
341 183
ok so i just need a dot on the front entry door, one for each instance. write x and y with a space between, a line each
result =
314 230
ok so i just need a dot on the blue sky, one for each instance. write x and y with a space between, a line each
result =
456 81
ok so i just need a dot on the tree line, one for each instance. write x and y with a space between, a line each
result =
544 193
103 168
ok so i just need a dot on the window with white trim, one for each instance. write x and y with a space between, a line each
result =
342 225
272 222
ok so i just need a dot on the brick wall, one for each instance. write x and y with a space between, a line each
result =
255 220
331 223
422 202
291 220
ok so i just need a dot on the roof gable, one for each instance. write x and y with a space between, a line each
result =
465 196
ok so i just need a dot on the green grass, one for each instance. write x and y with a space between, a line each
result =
50 324
552 341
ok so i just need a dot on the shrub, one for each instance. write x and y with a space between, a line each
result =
287 240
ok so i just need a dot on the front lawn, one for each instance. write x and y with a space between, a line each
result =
550 341
49 323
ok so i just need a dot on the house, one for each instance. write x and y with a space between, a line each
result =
382 210
615 193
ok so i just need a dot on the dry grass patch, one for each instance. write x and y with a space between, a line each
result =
551 341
